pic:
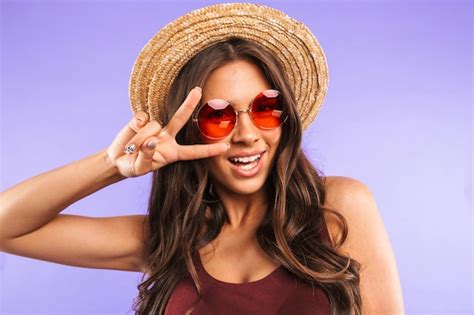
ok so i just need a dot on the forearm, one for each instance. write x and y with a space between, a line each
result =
34 202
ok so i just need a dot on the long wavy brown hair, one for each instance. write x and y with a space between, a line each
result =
179 224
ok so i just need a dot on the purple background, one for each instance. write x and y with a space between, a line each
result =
397 116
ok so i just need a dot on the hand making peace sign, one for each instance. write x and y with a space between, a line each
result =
152 146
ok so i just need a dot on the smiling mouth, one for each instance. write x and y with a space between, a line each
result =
247 166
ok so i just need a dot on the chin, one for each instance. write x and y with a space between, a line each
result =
223 175
243 188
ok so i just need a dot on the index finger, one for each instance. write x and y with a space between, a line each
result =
201 151
185 111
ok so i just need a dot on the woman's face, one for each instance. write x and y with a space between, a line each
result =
238 82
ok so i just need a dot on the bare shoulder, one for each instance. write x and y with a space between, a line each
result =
342 193
356 203
367 242
344 187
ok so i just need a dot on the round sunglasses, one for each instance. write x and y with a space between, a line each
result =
217 118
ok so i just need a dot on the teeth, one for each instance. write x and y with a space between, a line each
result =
247 166
246 159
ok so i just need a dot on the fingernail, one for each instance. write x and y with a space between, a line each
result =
199 88
151 144
130 148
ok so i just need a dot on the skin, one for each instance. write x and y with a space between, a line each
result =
116 242
236 248
367 242
238 82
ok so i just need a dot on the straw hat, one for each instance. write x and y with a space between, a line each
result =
161 59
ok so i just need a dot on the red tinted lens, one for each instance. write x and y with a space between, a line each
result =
267 109
216 119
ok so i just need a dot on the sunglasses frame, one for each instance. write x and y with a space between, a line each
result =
249 109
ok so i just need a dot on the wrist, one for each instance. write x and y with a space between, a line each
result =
110 168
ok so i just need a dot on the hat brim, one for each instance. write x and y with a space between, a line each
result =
292 43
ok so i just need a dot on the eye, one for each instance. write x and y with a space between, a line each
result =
217 114
212 113
267 105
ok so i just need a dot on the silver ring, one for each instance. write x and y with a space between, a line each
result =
130 148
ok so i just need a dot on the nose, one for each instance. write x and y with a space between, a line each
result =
245 130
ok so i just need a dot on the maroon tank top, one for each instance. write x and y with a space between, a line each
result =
278 293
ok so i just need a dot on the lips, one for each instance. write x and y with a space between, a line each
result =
245 159
244 154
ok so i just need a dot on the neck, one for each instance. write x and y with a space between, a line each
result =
243 212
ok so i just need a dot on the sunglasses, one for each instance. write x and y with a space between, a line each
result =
217 118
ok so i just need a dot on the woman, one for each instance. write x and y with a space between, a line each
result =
239 221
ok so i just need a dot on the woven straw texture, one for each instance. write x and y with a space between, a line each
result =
161 59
